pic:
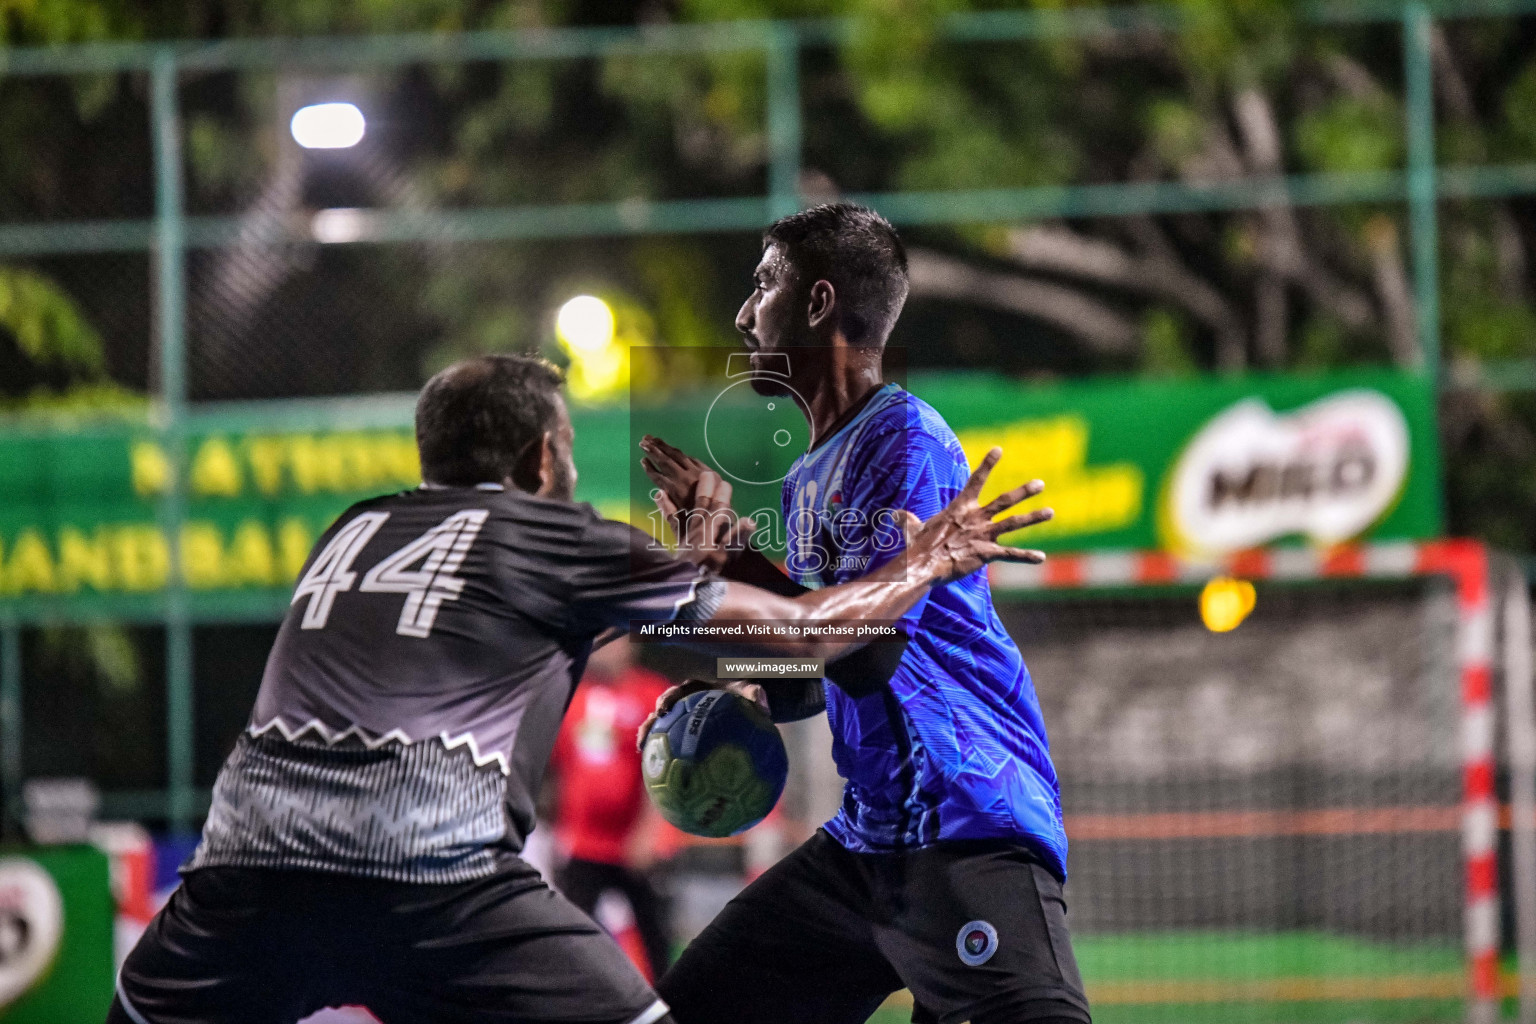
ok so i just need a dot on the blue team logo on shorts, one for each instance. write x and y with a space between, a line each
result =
976 943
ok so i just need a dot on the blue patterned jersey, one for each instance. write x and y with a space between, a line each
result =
955 747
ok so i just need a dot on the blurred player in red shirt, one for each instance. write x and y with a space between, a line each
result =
603 819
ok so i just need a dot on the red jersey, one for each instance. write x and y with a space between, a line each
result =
601 795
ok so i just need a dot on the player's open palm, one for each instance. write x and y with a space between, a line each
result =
965 536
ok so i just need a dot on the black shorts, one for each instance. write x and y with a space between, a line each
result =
244 945
976 930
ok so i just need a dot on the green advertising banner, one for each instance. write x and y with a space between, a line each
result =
1195 465
1211 466
83 510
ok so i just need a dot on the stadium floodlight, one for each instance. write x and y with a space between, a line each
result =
338 225
585 324
599 361
328 126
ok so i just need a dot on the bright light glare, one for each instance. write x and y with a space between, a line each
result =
336 225
585 324
1225 603
328 126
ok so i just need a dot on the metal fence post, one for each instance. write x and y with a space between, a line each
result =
171 309
784 128
1423 218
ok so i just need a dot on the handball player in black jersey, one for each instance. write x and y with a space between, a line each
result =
362 845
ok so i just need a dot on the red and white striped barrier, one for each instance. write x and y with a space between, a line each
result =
1464 562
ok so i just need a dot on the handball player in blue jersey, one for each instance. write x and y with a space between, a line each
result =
943 871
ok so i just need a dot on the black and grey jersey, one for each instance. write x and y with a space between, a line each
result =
413 694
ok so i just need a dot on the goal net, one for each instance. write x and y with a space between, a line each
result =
1292 821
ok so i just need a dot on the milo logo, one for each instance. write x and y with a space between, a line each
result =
1327 472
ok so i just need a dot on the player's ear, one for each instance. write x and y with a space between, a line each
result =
549 466
534 470
823 304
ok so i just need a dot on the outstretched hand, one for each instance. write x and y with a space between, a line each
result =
964 537
708 530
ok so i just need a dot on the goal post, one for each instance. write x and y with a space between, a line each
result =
1300 823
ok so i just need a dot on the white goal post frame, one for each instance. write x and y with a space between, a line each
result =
1466 564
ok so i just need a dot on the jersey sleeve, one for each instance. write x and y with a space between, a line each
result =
619 575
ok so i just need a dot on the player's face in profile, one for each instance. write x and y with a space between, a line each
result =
774 318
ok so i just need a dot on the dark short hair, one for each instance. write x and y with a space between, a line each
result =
860 253
477 417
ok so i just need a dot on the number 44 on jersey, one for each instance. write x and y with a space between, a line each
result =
423 570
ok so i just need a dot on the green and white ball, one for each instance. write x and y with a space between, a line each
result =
714 764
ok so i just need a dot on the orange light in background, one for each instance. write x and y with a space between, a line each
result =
1225 603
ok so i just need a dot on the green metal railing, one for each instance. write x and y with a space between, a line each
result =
170 234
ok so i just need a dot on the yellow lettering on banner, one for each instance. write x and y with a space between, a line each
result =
84 561
266 457
304 460
332 463
151 469
250 560
294 541
202 556
352 457
30 569
143 557
215 470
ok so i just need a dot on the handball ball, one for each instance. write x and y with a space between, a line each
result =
714 764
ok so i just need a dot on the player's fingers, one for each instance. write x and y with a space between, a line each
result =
664 474
972 489
1019 522
661 455
1007 500
712 492
664 503
1003 553
676 456
682 458
658 476
650 442
704 489
664 478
